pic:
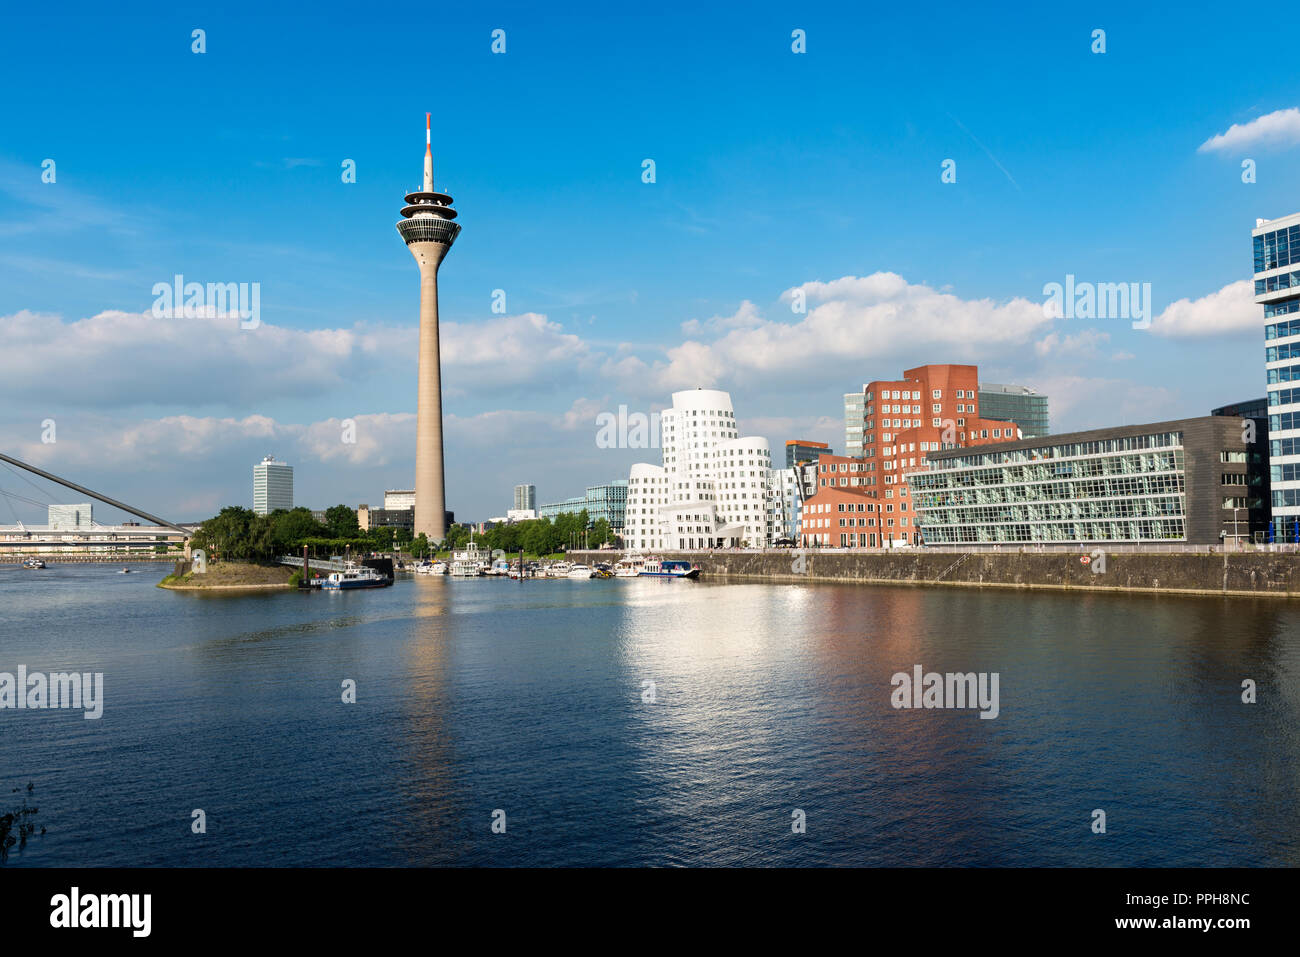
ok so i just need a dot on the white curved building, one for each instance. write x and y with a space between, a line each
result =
714 487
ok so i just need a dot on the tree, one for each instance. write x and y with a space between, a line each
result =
600 533
341 521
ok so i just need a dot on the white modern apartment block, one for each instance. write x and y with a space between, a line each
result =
63 517
272 486
1277 287
714 488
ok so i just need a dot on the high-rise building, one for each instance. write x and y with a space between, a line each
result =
1015 403
525 498
803 451
854 414
713 488
428 228
1277 288
932 407
62 517
272 486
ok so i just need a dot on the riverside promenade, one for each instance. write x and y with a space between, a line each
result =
1162 569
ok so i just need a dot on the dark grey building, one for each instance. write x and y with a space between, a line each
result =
1190 480
1015 403
805 451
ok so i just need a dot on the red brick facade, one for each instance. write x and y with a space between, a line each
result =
931 407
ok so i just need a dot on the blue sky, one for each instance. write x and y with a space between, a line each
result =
773 170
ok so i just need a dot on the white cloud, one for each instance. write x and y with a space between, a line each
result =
852 321
1279 128
1082 345
1231 310
116 359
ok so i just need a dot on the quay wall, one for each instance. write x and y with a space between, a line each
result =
1248 573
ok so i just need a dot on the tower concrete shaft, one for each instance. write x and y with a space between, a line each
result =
428 228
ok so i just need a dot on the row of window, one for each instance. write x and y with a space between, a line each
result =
1168 506
1142 530
1281 247
1286 280
1272 309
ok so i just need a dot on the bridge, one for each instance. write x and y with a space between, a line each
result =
137 535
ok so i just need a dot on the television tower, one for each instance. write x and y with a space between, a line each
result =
428 228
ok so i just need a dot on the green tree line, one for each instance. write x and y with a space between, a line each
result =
239 534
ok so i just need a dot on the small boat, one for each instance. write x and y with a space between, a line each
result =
125 571
471 563
579 571
659 568
355 576
558 570
628 567
33 563
431 568
500 568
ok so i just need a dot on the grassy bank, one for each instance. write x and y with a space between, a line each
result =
233 575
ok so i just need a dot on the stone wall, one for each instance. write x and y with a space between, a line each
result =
1244 573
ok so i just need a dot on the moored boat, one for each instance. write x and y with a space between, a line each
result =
470 563
579 571
670 568
355 576
33 563
629 567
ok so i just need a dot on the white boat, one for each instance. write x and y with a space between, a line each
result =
669 568
355 576
628 567
558 570
579 571
470 563
33 563
500 568
431 568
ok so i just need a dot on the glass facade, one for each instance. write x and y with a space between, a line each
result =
1018 404
1277 288
854 413
1130 489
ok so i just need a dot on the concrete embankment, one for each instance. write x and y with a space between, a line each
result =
1255 574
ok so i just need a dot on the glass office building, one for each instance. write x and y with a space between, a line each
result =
855 408
1277 288
1015 403
805 451
601 501
1192 480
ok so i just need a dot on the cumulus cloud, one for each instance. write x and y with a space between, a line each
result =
1279 128
849 322
1083 345
1231 310
116 359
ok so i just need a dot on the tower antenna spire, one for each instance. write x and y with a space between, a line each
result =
428 153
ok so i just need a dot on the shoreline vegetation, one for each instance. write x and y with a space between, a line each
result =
239 534
229 576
